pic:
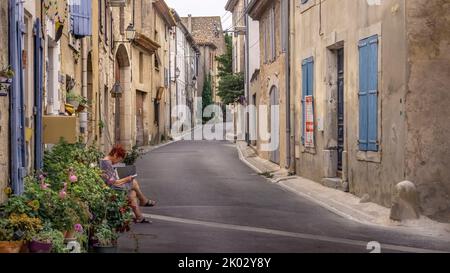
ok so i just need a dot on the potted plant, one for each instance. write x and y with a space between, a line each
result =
9 242
73 99
106 239
42 242
6 75
132 156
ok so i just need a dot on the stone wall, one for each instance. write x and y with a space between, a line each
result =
427 103
4 104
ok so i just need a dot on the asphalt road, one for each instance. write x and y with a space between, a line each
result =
209 201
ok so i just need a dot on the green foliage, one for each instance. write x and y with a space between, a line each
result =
6 231
132 156
207 95
226 60
105 236
231 85
68 194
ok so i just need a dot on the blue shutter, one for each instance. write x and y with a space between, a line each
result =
307 88
81 18
373 94
38 78
368 94
17 118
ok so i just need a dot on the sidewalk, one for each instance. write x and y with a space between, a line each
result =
339 202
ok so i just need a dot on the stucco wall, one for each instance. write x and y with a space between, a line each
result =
427 103
367 173
4 103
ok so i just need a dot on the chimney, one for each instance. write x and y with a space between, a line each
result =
189 23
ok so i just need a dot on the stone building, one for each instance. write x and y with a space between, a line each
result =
237 9
184 62
269 82
208 35
4 104
372 97
141 71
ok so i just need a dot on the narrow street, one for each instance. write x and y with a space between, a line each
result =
209 201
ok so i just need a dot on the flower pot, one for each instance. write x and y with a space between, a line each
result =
10 247
74 103
104 249
40 247
81 108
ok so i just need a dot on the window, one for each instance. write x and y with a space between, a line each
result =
307 89
101 15
272 34
106 23
141 67
368 94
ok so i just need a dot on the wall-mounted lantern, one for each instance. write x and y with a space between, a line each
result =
117 91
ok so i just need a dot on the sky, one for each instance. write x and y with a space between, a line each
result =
202 8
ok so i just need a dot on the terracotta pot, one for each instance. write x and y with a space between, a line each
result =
10 247
70 234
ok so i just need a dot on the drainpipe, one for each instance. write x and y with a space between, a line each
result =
247 76
287 22
292 82
83 115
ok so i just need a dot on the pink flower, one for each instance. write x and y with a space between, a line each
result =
44 186
73 178
78 228
62 194
41 177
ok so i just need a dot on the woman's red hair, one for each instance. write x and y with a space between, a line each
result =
118 151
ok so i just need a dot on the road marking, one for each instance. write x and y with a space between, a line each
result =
358 243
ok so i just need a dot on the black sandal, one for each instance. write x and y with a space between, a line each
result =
150 203
143 221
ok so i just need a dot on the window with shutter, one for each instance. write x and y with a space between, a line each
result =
81 18
368 94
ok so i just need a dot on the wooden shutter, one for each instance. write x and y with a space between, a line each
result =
368 94
81 16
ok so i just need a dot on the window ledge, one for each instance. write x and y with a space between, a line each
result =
374 157
305 7
307 150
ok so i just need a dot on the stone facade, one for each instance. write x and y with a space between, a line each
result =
208 35
270 81
412 115
4 104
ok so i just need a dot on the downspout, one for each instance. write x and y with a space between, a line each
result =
288 87
247 77
292 82
83 115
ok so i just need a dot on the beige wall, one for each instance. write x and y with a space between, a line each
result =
409 147
367 173
427 103
4 104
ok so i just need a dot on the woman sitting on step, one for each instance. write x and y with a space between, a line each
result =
136 196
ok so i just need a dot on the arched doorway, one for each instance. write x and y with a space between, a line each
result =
122 76
274 125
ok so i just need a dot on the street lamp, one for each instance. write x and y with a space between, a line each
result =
130 34
117 90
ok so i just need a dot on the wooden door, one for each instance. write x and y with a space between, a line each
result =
140 96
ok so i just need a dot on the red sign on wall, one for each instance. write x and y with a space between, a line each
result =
309 122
